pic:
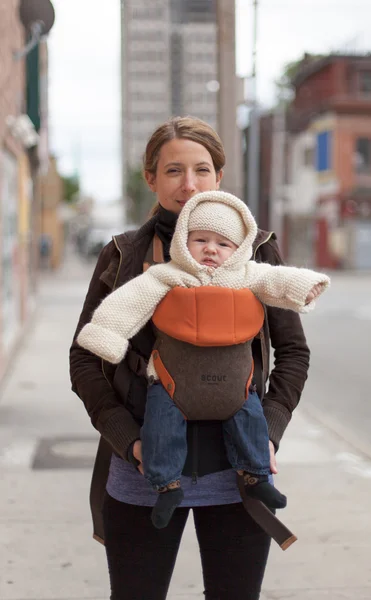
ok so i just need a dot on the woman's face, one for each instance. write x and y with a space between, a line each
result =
184 169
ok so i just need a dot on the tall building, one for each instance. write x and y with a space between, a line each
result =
178 58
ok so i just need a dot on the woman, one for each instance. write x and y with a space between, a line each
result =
184 156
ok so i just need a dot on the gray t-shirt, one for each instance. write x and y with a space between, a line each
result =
126 484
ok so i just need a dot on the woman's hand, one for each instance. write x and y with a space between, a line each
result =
137 453
314 292
273 462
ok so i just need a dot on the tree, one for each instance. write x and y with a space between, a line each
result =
71 188
141 199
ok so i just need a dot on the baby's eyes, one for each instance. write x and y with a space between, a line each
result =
203 241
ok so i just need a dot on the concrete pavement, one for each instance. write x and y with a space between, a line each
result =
339 335
46 450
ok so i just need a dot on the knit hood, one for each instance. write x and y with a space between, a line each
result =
178 250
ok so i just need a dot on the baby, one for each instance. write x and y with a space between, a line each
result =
207 306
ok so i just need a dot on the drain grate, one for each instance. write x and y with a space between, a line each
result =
65 453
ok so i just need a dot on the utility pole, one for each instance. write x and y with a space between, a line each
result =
123 86
227 95
252 156
278 160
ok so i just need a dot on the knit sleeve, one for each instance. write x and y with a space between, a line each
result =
121 315
284 287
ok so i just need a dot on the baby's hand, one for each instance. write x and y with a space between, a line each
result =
314 292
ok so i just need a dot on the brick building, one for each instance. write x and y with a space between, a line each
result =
330 160
14 189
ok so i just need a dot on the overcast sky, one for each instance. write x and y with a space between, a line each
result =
84 49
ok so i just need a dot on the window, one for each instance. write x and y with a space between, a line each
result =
148 13
365 81
308 157
323 153
148 35
362 157
33 87
193 11
147 70
143 96
200 11
148 55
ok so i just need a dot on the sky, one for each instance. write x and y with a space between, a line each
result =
84 67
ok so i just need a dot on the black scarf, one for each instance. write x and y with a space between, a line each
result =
164 228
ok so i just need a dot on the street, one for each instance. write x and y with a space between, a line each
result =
47 447
339 336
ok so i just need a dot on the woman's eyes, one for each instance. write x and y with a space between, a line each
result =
203 170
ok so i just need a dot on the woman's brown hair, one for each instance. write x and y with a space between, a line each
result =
188 128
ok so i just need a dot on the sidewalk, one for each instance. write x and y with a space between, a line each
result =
47 446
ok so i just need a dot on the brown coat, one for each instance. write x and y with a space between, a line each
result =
114 396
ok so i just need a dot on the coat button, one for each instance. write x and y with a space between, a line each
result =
155 355
169 387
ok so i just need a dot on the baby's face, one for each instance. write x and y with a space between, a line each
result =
210 248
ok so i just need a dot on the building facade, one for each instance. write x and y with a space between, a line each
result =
22 127
14 187
329 196
178 58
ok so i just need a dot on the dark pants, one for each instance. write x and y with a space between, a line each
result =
141 558
164 437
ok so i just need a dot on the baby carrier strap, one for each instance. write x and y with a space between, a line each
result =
155 253
210 315
135 361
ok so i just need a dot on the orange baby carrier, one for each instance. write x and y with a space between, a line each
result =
202 354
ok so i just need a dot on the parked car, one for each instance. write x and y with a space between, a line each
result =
98 237
95 241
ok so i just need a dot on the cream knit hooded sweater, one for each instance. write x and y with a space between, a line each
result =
126 310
